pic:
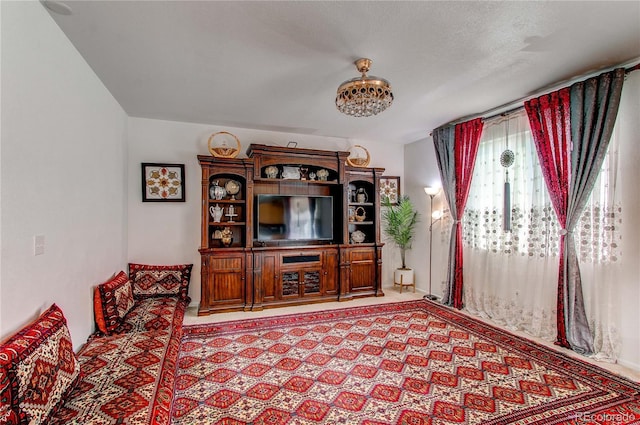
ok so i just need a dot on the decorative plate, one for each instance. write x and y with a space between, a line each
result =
233 187
292 173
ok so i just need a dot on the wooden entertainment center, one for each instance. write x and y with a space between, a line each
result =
288 226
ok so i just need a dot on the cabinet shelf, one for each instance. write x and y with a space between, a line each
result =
227 201
361 223
361 204
227 223
320 182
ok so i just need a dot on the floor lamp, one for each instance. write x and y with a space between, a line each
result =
437 215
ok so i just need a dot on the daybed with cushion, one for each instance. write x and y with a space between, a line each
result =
125 372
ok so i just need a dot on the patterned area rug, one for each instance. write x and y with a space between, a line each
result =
403 363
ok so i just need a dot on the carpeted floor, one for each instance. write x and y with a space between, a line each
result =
404 363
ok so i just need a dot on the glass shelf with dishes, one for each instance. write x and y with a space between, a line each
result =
361 212
227 211
299 172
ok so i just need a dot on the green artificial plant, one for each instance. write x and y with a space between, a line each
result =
400 223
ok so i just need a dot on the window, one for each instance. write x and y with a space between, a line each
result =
534 226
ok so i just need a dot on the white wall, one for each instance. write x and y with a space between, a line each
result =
63 174
421 170
169 233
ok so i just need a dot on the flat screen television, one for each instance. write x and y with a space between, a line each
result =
284 217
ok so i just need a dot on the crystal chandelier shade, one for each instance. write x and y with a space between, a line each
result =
364 96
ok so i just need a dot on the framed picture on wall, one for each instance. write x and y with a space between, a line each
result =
390 188
162 182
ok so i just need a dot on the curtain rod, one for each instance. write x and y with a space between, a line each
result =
510 107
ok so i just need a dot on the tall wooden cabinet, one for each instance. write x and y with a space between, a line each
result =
243 270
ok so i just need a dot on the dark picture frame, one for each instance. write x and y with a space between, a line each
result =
390 188
162 182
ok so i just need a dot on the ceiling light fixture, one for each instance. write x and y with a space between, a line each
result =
364 96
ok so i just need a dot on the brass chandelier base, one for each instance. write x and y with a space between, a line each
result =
364 96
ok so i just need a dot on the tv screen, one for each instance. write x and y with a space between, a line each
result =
282 217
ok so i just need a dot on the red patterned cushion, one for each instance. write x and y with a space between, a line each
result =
151 314
38 368
128 378
124 299
112 300
8 412
160 281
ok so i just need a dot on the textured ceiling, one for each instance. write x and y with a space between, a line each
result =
277 65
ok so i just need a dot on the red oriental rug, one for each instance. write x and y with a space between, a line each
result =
403 363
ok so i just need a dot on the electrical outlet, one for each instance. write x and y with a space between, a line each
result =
38 245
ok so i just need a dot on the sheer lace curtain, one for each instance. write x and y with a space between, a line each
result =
599 245
511 276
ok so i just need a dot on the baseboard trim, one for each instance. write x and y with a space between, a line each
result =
629 365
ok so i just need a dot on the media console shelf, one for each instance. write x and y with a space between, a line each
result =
288 226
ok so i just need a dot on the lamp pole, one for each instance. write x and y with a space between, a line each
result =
431 192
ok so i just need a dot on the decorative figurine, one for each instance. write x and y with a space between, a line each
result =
217 192
231 212
271 171
361 196
226 238
322 174
352 214
357 236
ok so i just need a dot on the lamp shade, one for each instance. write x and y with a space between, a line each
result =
431 191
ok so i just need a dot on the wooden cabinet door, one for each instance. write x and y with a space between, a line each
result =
269 277
311 282
330 267
362 272
301 282
223 286
289 284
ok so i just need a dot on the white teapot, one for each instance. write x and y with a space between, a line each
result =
216 212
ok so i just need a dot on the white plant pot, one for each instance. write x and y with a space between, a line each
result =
403 276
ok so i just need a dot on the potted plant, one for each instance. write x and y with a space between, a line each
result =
400 223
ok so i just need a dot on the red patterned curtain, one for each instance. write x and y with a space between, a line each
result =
549 117
467 139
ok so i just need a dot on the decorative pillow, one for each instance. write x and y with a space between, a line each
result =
160 281
38 368
112 300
